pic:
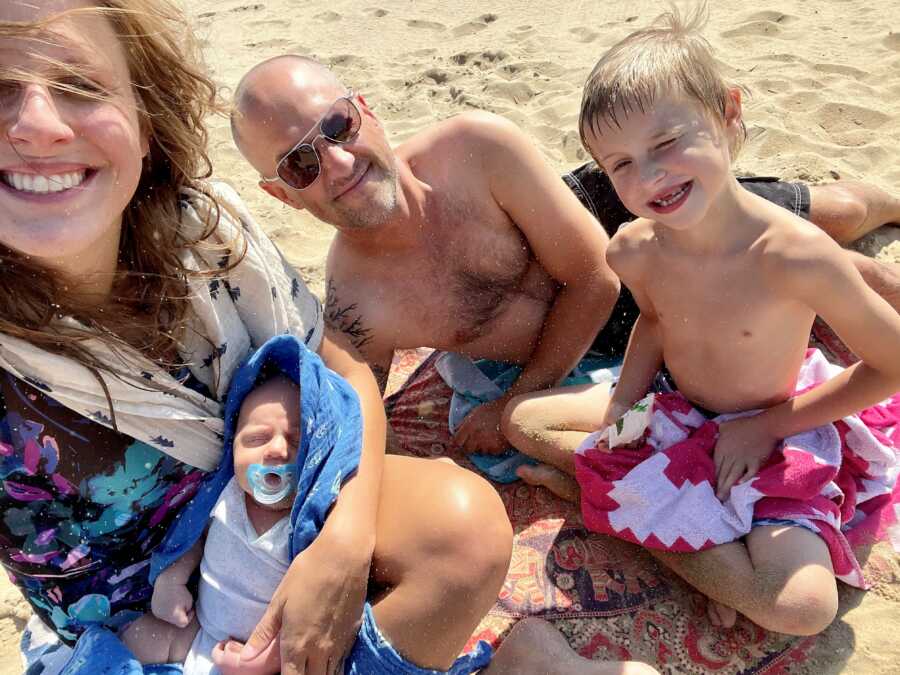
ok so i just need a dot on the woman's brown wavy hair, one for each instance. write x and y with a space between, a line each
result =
148 306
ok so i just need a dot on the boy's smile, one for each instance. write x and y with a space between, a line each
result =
668 163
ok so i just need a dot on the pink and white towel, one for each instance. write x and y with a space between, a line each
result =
658 488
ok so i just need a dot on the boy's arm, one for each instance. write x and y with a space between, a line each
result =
815 271
643 359
644 355
172 601
824 278
318 605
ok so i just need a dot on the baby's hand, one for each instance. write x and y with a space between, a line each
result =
172 602
744 445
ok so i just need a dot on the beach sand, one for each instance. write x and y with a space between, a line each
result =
824 103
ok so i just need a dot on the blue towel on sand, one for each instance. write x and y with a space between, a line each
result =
328 456
477 382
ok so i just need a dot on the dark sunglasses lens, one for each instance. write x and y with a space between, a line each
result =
300 168
342 122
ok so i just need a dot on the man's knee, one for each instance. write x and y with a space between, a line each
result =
840 209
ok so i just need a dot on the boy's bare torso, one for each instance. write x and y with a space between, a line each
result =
733 338
470 284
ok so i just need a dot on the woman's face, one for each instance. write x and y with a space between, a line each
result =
69 163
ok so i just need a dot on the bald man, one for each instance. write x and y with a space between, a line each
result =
462 238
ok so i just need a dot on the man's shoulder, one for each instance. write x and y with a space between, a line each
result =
465 131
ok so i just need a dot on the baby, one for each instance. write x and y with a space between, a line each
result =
245 554
728 286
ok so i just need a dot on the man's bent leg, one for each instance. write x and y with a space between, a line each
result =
442 550
848 210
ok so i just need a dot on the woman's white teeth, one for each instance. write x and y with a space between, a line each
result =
40 184
672 198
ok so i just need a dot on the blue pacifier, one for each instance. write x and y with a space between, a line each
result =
272 483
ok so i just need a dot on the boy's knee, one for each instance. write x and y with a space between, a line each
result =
521 419
802 606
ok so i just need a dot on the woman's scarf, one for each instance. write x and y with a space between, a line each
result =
259 298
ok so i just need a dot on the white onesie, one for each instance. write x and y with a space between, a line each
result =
239 573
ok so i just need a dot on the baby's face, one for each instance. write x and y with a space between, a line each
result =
268 431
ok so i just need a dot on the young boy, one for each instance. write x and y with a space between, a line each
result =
728 286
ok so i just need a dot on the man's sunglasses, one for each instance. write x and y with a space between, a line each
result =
300 167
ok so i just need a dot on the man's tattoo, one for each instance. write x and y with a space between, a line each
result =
381 377
345 319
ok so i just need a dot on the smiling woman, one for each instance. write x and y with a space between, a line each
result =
126 280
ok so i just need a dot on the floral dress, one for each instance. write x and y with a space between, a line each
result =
82 507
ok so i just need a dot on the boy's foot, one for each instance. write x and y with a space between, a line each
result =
559 483
720 615
534 647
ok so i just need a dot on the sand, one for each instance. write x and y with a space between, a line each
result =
824 82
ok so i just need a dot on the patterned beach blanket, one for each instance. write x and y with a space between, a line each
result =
609 597
650 479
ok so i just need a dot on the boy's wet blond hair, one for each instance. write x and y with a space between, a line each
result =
670 57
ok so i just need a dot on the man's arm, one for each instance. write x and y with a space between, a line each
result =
568 243
564 238
344 317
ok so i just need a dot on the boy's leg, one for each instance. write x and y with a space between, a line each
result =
781 579
550 426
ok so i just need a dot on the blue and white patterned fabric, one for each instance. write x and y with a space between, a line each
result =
477 382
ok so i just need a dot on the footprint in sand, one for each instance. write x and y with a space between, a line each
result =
480 59
347 60
774 17
584 34
475 26
431 25
840 69
517 92
269 44
247 8
892 41
751 28
327 17
837 117
377 12
437 75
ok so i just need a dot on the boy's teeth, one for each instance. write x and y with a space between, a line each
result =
671 199
40 184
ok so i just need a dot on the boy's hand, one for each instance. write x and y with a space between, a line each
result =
172 602
317 609
744 445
